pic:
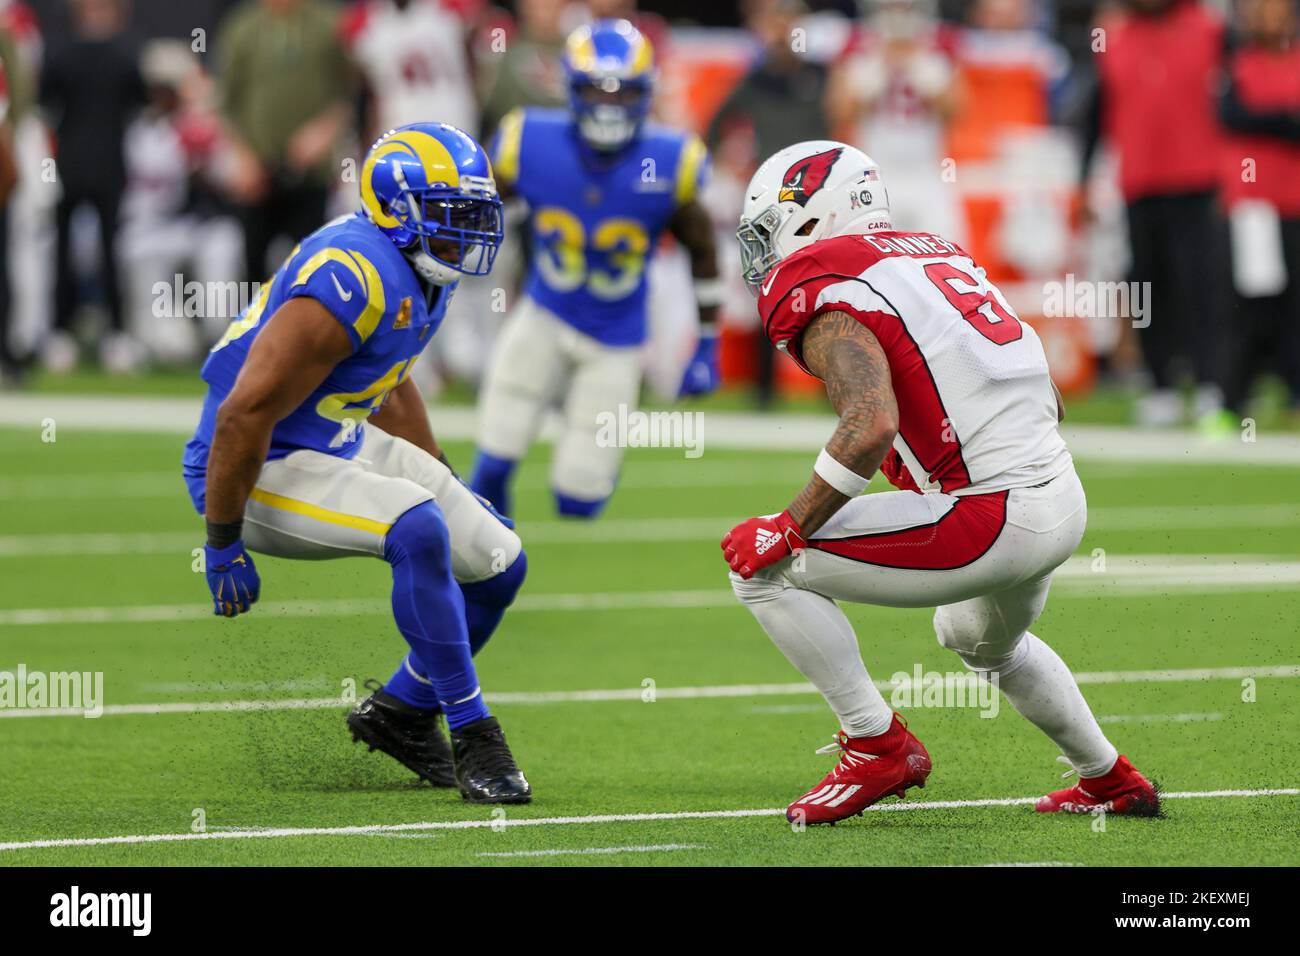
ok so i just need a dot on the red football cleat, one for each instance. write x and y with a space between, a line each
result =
1120 790
870 768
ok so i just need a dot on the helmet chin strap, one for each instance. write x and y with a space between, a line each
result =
428 268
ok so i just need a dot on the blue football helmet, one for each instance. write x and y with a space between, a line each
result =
609 66
429 188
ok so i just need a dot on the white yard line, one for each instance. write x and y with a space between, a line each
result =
1123 574
101 486
498 823
599 850
642 530
725 430
714 692
92 543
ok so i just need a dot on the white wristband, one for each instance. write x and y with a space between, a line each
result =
847 483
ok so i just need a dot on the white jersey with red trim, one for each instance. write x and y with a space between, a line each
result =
977 412
414 59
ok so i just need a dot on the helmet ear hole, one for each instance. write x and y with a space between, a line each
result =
807 228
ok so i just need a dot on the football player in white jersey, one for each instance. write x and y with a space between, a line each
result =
939 385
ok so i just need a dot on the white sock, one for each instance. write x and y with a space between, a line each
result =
1042 689
816 637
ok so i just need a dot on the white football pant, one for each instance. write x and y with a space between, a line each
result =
313 505
540 362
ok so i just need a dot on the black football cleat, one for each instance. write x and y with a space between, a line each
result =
485 769
410 736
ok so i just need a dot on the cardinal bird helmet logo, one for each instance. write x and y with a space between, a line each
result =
807 176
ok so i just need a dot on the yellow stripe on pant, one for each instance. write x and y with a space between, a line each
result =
306 509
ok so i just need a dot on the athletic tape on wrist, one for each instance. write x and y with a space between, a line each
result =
846 482
223 535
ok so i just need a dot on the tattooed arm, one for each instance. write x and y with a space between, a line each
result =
844 354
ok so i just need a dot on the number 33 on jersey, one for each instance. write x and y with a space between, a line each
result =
596 220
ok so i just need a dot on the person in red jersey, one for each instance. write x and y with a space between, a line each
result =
1158 64
1260 106
939 385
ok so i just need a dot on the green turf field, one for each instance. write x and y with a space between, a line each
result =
693 750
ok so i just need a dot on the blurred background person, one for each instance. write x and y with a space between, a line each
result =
285 88
29 214
779 100
90 88
177 227
521 62
1155 105
415 61
1260 106
13 91
893 94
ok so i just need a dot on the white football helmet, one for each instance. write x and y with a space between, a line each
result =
806 192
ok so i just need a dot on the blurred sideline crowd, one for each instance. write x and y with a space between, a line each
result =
1128 171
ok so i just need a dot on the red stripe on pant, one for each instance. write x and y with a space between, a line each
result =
957 539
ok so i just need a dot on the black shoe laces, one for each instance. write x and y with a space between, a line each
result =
487 754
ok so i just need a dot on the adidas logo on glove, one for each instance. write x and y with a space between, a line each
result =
765 540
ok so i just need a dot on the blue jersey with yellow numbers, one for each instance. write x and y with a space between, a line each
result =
595 222
365 282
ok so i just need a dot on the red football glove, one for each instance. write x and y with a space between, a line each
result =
894 469
759 542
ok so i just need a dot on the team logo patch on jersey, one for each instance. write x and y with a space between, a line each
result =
807 176
403 319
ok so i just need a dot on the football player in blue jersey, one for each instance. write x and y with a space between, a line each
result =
602 184
314 443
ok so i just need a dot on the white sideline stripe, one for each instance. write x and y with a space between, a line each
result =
272 833
720 691
726 430
634 530
600 850
1140 574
